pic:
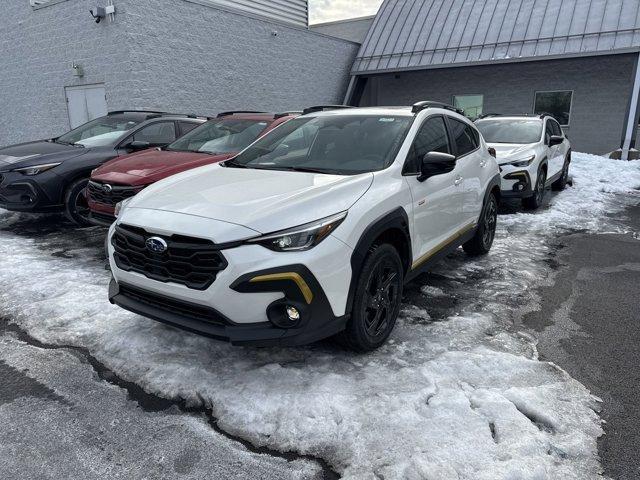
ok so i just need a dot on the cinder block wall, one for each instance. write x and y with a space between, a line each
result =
601 87
37 48
190 56
183 55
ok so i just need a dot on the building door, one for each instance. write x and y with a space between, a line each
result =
85 102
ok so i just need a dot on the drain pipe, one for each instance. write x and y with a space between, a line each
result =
631 121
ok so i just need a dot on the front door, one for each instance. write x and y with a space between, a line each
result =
85 103
436 205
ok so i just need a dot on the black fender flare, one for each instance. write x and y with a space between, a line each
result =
494 182
397 219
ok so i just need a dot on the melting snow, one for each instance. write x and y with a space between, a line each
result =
458 393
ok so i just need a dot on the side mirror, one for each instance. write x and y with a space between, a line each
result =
555 140
436 163
138 145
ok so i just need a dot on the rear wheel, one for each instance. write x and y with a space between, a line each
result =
535 200
482 241
76 207
377 300
561 183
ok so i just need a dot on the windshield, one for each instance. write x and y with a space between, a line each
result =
100 132
220 136
341 145
510 131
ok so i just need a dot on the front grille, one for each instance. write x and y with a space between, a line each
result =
182 309
194 262
110 194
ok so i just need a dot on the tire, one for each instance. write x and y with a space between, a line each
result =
75 204
535 201
482 241
377 300
561 183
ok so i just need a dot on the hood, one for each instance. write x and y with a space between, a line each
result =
263 200
152 165
35 153
507 152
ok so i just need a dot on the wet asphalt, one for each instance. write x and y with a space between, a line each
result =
589 324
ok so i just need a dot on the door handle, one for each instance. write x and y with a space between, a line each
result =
458 180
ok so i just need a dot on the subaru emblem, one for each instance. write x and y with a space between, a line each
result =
156 245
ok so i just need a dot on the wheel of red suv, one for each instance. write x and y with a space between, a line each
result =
377 300
75 203
561 183
482 241
534 201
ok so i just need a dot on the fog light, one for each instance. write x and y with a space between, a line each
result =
293 313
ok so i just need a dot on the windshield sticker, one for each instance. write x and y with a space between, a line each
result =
387 120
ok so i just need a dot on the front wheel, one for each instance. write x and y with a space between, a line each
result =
482 241
535 201
76 207
377 300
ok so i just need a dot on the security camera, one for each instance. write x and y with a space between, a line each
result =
101 12
98 13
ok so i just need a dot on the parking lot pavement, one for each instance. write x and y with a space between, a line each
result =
458 392
589 324
64 416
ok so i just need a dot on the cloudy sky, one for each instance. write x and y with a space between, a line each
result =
329 10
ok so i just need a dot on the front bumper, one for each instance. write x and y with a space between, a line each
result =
244 302
19 193
317 321
515 183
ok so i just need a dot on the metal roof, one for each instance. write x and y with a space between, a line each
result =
415 34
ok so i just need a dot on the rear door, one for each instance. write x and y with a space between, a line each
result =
436 211
470 162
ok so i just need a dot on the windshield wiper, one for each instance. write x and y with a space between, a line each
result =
233 164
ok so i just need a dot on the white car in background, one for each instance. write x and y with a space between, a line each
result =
310 232
533 152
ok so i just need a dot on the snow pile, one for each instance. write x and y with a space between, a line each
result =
457 394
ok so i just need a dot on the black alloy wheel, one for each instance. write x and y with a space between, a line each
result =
377 300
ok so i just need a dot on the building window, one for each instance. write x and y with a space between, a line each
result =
557 104
470 104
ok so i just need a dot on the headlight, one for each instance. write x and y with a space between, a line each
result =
301 238
36 169
524 162
120 206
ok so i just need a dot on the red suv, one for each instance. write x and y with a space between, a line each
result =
214 141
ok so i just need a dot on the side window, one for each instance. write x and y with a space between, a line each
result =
548 131
432 137
555 126
186 127
160 133
464 136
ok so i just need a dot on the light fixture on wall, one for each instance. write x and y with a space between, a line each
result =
78 71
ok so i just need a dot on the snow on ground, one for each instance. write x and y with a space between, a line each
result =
458 393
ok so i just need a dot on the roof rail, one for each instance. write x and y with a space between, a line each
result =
150 112
286 114
323 108
418 107
487 115
233 112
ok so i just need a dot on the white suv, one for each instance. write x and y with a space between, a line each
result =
310 232
533 153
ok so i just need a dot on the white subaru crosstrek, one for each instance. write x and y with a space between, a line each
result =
310 232
533 153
